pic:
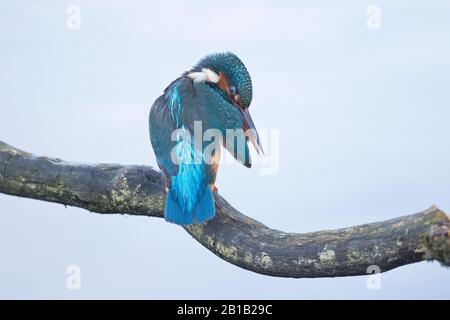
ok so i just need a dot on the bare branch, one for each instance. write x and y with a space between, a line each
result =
137 190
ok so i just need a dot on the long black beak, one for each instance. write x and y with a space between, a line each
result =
250 130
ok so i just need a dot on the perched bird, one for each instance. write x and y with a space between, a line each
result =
216 93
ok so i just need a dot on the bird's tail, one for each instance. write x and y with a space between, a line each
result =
178 209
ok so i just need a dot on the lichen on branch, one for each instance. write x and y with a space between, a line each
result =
232 236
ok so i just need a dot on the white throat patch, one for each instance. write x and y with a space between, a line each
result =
206 75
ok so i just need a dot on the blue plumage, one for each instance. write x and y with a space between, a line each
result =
189 198
189 178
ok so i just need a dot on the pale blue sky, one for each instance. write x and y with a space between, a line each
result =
364 120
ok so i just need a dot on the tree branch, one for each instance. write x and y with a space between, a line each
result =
137 190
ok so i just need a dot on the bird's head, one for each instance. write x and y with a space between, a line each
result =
226 73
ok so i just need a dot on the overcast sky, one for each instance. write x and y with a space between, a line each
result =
363 118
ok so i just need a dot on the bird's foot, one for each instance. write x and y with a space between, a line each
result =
214 188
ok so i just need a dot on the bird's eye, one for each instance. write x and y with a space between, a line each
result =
233 90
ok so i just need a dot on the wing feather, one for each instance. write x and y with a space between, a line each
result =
215 112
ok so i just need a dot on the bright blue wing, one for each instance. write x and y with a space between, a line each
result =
183 103
208 106
161 126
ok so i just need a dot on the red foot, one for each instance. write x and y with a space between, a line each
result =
214 188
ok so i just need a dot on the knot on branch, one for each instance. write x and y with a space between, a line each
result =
437 242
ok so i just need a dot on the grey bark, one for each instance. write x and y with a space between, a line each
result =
234 237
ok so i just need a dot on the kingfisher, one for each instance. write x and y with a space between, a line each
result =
199 113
